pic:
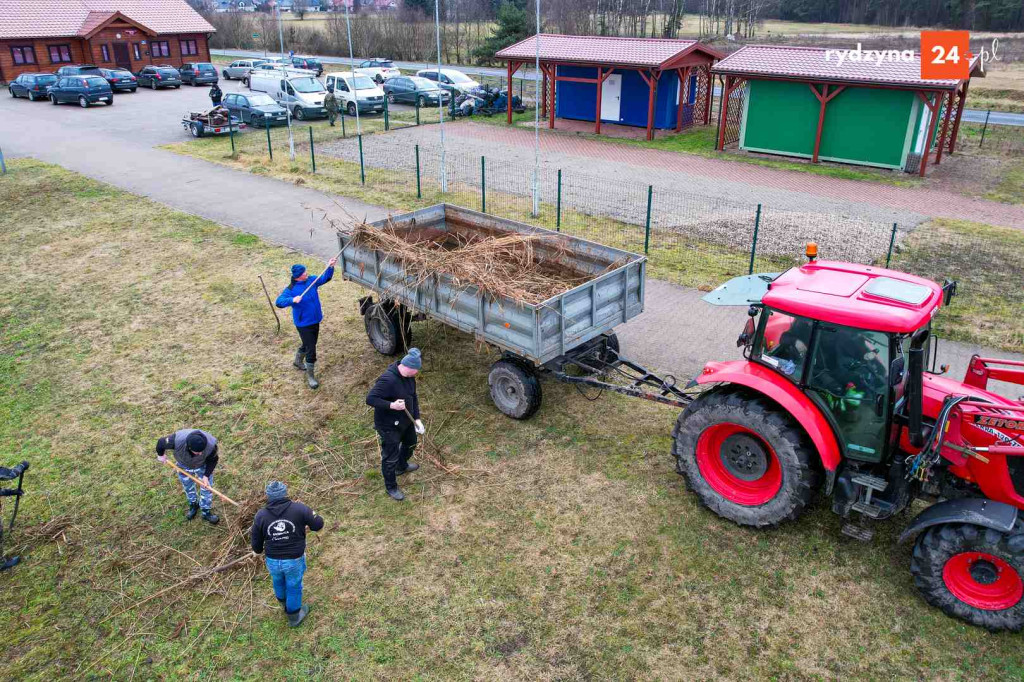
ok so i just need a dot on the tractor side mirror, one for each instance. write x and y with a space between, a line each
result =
896 371
747 336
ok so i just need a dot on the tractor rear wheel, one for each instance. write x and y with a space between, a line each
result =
972 573
746 458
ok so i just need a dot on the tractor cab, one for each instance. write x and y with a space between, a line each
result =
842 333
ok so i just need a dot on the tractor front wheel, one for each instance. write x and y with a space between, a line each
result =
745 458
972 573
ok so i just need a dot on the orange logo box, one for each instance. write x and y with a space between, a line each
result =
945 55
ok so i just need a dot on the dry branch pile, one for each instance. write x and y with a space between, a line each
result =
521 267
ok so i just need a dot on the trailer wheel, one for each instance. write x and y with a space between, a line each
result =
972 573
387 335
196 128
515 388
747 460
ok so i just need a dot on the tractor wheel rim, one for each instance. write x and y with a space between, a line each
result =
983 581
738 464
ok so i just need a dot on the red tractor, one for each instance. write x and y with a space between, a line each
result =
834 392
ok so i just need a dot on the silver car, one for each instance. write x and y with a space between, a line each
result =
240 68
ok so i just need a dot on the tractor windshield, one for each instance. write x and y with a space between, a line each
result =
848 376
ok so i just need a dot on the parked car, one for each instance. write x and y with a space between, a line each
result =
159 77
451 80
198 73
78 69
413 90
120 79
279 68
379 69
308 63
240 68
256 108
302 95
85 90
32 85
350 89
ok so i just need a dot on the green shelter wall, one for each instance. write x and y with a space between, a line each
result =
862 125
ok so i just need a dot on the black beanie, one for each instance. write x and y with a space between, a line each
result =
196 442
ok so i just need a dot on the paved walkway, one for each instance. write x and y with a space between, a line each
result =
677 333
923 201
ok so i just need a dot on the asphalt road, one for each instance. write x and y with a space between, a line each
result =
117 144
970 115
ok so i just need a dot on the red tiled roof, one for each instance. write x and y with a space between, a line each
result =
94 20
603 50
69 18
812 63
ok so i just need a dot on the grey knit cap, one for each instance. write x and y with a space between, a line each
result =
276 491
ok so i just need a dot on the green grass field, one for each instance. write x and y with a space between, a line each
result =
564 547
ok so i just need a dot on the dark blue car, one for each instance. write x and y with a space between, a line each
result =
85 90
31 85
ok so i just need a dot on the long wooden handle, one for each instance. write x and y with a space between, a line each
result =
201 484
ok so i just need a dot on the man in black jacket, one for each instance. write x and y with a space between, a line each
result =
396 416
280 529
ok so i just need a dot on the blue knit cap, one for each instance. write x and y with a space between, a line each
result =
297 270
276 491
412 360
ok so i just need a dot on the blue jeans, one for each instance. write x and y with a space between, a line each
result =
287 577
205 498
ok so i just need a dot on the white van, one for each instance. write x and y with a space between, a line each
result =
302 95
368 94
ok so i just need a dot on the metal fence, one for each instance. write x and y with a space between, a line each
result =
990 138
691 240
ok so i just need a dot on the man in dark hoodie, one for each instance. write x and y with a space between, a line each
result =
195 451
280 529
396 416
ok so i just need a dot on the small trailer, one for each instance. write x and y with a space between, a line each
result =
568 337
216 121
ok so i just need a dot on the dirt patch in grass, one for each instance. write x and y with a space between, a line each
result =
566 547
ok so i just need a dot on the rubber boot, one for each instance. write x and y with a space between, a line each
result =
193 509
300 360
310 376
294 619
10 563
396 494
210 517
409 468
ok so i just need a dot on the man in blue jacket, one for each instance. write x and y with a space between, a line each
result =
306 314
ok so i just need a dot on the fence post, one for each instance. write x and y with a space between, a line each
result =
647 228
3 166
892 242
753 246
312 154
343 135
558 204
270 148
387 119
417 111
231 134
419 194
483 185
987 114
362 168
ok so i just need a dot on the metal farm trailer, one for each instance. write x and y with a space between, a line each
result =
568 336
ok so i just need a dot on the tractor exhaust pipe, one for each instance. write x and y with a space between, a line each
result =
914 386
